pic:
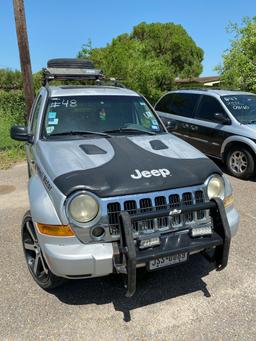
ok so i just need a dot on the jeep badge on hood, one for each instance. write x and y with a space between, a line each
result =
154 172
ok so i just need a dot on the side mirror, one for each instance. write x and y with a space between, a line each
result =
20 133
170 125
221 118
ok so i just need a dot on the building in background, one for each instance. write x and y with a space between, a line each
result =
213 81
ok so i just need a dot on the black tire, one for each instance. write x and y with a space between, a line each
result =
73 63
240 162
46 280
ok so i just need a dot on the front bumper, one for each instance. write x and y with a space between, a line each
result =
129 256
77 260
68 257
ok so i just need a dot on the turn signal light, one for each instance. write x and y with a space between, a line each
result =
55 230
228 200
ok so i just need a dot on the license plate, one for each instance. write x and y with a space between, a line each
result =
167 261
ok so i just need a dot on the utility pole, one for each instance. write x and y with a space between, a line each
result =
25 63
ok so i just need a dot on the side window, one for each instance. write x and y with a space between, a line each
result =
35 113
208 107
164 104
184 104
179 104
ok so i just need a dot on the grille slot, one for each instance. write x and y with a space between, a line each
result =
174 200
187 200
145 225
114 210
199 198
131 207
158 203
145 205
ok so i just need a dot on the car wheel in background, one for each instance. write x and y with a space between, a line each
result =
240 162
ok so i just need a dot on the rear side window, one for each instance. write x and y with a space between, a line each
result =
179 104
35 115
164 103
208 107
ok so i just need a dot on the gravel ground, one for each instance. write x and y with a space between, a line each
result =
183 303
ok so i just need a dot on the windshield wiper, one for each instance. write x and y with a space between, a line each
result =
251 122
80 132
131 130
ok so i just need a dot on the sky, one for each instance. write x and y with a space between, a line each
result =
58 28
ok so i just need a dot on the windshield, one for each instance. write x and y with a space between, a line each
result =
98 114
243 107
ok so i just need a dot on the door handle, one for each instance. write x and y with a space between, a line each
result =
194 128
185 125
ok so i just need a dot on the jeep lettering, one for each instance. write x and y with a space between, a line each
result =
147 174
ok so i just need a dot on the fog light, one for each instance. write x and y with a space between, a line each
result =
98 232
201 231
145 243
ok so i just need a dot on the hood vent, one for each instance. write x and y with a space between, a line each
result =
158 145
91 149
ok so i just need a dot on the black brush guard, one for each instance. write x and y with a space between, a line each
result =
128 255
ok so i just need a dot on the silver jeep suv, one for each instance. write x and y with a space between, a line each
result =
110 189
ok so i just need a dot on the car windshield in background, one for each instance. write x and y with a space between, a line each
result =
81 115
243 107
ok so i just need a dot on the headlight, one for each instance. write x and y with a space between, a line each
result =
216 187
83 208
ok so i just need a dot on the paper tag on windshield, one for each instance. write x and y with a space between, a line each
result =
52 114
49 130
54 121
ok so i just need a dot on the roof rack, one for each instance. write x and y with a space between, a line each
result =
70 69
110 82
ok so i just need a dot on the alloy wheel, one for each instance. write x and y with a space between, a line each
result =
238 162
33 253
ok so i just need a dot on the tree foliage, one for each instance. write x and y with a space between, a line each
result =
238 70
10 79
149 58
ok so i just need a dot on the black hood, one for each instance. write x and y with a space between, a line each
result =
134 169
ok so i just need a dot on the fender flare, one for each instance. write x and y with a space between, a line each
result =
41 205
237 138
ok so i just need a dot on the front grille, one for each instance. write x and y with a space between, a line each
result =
156 203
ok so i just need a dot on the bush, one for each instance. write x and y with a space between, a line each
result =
10 79
12 109
12 105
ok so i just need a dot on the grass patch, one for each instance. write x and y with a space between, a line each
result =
10 151
9 157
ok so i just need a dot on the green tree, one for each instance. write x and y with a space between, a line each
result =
238 70
149 58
